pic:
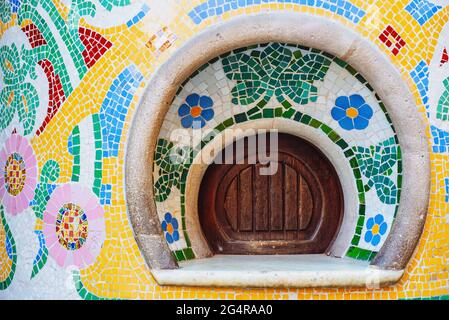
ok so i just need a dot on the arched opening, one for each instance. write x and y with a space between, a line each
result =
270 194
376 72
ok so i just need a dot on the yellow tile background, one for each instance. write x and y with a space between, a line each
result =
120 271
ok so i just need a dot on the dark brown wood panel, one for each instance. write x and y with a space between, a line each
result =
260 196
276 194
245 203
231 204
297 209
305 205
291 198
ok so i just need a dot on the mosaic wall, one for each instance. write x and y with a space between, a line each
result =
283 81
72 74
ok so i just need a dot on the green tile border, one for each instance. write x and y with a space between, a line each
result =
98 164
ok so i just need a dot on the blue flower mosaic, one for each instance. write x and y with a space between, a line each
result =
377 227
352 112
170 227
196 111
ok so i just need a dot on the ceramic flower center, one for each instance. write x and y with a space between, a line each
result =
15 174
195 111
170 228
375 229
352 112
71 226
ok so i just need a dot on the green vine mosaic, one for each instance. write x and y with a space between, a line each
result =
171 162
18 95
11 250
68 32
49 175
443 103
98 164
5 11
109 4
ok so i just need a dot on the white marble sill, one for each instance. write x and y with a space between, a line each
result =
276 271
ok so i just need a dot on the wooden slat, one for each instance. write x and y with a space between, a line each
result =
291 198
245 200
261 206
296 210
231 204
276 200
306 205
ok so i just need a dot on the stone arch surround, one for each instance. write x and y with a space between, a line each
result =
309 31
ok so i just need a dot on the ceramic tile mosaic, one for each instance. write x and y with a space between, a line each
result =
444 57
284 81
392 40
212 8
440 140
72 78
420 76
422 10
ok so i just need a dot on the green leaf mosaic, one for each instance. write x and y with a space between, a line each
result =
98 164
443 103
5 11
75 150
274 70
49 174
170 161
18 96
376 164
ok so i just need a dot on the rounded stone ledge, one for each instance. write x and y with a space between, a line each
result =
307 30
282 271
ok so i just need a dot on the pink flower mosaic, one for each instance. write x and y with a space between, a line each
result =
74 227
18 174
